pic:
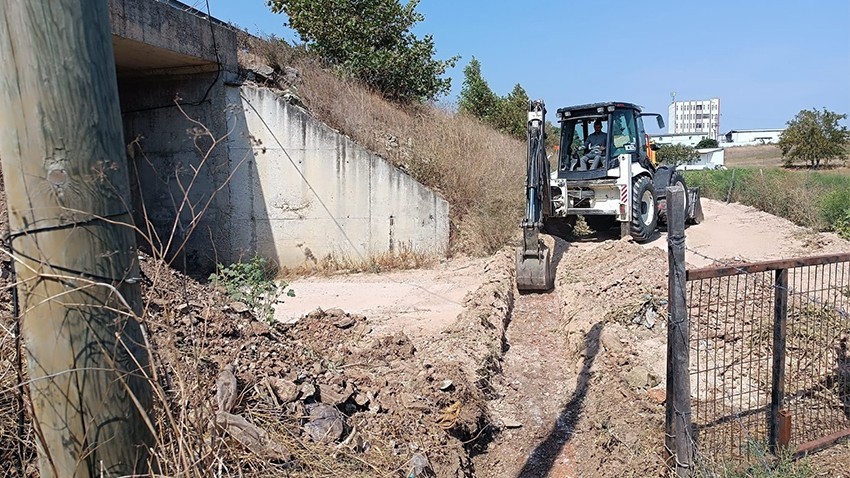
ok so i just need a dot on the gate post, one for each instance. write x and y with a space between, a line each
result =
677 419
780 322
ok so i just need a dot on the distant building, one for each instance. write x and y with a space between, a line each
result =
695 117
709 158
750 137
688 139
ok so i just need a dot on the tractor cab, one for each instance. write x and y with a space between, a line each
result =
594 136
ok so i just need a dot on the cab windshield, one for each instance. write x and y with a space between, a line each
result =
592 141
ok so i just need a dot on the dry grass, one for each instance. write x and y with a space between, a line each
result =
770 156
404 258
479 171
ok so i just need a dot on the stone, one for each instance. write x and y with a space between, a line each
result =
326 424
649 318
307 390
611 341
330 396
638 377
361 399
239 307
446 385
657 395
344 323
285 390
511 423
335 312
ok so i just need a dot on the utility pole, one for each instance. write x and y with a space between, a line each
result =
67 190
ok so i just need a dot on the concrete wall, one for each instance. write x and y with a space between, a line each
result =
349 201
301 190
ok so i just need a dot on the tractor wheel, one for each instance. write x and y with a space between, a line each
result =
644 209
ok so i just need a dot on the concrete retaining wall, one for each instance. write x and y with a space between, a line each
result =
302 190
316 193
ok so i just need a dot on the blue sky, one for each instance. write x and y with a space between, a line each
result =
765 60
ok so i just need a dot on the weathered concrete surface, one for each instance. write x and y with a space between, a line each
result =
155 37
349 202
306 191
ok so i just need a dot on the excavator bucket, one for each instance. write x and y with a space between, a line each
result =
695 215
533 269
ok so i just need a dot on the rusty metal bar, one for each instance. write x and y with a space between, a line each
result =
822 442
763 266
780 323
784 429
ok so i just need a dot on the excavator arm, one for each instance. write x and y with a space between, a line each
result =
533 268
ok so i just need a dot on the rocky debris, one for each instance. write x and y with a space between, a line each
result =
326 424
251 436
226 389
325 381
285 390
657 395
239 307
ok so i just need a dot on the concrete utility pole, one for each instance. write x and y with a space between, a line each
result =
67 190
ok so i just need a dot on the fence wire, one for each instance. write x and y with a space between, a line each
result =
733 326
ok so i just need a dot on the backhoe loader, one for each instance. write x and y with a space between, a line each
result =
609 178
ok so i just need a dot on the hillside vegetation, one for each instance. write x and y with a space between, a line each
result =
480 171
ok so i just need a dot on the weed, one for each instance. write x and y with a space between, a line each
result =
819 200
766 465
251 282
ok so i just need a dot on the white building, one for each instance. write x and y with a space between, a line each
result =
688 139
695 117
709 158
749 137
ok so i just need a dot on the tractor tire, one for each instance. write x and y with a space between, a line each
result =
644 209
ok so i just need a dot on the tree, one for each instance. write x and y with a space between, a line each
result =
707 143
512 113
676 154
371 40
813 137
476 97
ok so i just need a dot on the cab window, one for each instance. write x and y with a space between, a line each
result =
623 133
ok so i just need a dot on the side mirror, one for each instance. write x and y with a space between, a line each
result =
660 121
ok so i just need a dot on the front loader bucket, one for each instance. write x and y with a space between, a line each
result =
533 269
695 215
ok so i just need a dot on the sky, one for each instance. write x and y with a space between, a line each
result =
765 60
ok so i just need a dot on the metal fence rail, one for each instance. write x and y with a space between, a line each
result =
768 358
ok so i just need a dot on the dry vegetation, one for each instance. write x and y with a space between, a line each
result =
478 170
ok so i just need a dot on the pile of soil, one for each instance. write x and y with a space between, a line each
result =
391 406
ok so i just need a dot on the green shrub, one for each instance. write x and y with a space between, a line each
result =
835 206
842 225
816 200
251 283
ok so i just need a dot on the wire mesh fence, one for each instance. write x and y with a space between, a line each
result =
769 366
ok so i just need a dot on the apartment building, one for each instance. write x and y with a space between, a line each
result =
700 117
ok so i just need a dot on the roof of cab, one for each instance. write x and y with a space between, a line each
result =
595 106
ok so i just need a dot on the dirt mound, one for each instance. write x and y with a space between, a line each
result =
613 305
397 405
